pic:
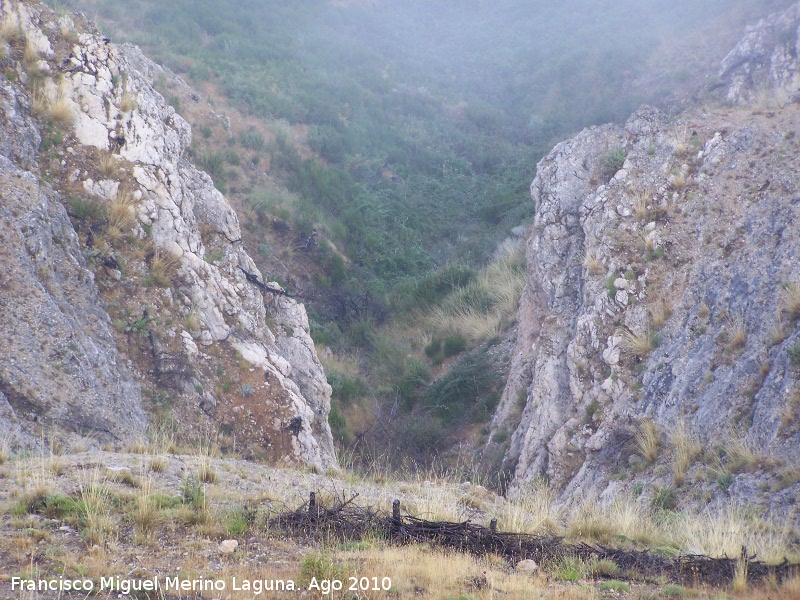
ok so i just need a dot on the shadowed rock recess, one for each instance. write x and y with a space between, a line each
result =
658 345
230 352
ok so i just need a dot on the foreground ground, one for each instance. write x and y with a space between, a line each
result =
151 514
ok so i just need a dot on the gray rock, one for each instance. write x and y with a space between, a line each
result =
734 259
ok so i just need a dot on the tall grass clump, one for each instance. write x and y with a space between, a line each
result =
626 518
164 268
120 214
647 440
479 310
685 448
533 510
790 300
60 108
95 511
639 344
722 530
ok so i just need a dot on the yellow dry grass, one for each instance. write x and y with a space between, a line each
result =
680 140
593 264
624 518
642 198
532 511
120 212
128 102
737 333
422 572
647 440
499 286
164 268
107 165
790 300
660 311
96 510
639 344
342 363
685 448
723 530
30 55
10 29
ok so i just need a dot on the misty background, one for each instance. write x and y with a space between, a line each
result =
407 132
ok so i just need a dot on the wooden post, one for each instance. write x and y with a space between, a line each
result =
312 502
493 526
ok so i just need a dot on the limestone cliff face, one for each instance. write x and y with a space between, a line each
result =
215 311
59 368
661 296
763 66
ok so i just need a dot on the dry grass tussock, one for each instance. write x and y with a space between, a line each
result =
120 213
593 264
164 268
723 530
342 363
741 455
647 440
107 164
737 333
626 518
639 344
790 300
772 97
420 572
128 102
205 469
680 140
30 55
642 200
660 311
10 29
96 510
685 449
532 511
480 310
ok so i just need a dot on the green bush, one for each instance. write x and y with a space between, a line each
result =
338 425
614 586
252 140
469 391
235 522
193 492
612 162
665 499
346 389
434 348
454 344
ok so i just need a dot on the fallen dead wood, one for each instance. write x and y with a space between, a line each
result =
343 520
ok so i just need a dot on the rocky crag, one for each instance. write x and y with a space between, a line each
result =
130 291
658 350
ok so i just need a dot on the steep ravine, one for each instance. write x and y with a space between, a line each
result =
146 286
663 298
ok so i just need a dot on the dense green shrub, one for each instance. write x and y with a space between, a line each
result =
469 391
454 344
612 162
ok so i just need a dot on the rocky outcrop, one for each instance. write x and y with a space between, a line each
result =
659 297
60 368
763 67
214 309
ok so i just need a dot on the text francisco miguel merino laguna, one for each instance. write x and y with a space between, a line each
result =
126 586
166 584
